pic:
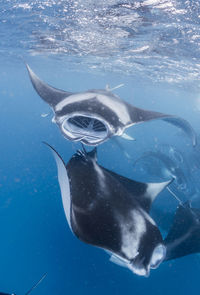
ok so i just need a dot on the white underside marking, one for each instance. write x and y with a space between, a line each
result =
158 256
148 217
115 105
153 189
64 186
74 98
118 107
131 238
140 271
125 263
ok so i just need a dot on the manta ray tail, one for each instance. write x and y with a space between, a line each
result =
2 293
30 290
36 284
48 93
175 196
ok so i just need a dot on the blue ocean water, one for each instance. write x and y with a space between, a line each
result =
150 46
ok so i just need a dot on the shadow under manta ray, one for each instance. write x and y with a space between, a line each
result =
96 115
109 211
30 290
184 235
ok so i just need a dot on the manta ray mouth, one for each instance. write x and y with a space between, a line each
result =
90 130
88 123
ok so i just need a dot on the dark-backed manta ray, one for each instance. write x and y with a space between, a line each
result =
96 115
183 237
30 290
101 211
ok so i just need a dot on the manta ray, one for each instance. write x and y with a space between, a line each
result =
109 211
94 116
183 237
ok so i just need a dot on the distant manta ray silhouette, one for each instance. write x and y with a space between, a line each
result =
183 237
96 115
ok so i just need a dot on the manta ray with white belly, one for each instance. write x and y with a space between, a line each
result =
96 115
110 211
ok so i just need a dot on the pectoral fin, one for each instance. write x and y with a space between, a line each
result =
48 93
153 189
140 115
64 184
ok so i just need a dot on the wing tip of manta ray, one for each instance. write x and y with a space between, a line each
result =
30 71
48 93
27 66
63 182
47 144
54 152
154 189
35 80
